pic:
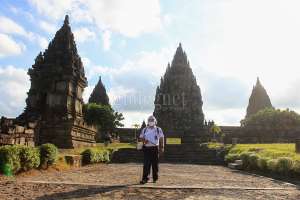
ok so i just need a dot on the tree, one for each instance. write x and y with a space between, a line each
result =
103 117
273 118
136 127
215 130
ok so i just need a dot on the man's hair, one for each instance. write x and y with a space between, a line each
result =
152 117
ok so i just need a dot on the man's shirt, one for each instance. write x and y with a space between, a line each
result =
152 134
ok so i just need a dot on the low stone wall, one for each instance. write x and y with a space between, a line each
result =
12 133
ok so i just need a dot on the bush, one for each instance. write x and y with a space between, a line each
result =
231 157
253 161
245 156
9 157
263 164
29 158
296 167
90 156
272 165
284 165
48 154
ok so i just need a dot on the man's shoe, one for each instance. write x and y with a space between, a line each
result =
143 181
154 180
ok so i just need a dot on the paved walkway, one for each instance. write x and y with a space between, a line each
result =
119 181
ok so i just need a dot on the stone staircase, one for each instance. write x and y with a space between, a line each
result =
183 153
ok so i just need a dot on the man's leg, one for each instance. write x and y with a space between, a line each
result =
147 164
154 162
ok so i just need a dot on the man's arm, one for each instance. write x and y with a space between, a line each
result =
161 141
161 144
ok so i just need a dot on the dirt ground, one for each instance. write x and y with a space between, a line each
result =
120 181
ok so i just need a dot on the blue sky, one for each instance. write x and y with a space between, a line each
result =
129 43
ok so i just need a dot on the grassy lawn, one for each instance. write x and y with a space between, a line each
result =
268 150
173 141
115 146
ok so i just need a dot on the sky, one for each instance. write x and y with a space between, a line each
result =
229 43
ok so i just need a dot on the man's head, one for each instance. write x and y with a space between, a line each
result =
151 120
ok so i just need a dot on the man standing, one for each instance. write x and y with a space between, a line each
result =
153 140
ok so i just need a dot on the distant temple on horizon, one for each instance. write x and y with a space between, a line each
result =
259 99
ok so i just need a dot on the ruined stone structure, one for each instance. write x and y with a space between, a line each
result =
11 133
99 95
178 100
258 100
55 96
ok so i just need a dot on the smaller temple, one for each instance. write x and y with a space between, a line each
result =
258 100
99 95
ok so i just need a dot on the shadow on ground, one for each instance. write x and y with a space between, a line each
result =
89 191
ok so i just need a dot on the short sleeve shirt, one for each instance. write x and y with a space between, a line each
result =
152 135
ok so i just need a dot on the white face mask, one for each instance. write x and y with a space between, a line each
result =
151 123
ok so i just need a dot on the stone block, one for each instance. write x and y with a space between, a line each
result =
74 160
29 131
19 129
239 162
32 125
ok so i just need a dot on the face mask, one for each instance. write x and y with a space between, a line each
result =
151 123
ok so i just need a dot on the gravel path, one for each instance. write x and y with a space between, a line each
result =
119 181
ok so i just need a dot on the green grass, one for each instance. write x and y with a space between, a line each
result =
272 151
99 146
173 141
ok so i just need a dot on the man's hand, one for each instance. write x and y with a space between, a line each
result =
161 150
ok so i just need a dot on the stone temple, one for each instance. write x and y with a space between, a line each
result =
55 96
258 100
178 100
99 95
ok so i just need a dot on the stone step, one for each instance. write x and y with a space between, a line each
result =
234 166
239 162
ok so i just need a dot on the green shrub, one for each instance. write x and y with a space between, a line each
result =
272 165
253 161
296 167
245 156
262 164
29 157
9 157
90 156
48 154
284 165
231 157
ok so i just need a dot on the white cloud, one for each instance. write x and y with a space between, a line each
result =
14 83
106 39
8 26
130 18
53 8
43 42
9 47
48 27
83 34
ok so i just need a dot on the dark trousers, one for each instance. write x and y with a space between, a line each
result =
150 159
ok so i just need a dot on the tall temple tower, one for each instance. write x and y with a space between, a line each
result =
55 96
178 100
258 100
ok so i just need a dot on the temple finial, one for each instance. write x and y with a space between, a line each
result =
66 22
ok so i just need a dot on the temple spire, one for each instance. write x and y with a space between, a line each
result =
177 87
258 100
99 95
66 21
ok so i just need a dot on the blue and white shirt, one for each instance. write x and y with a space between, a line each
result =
152 134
